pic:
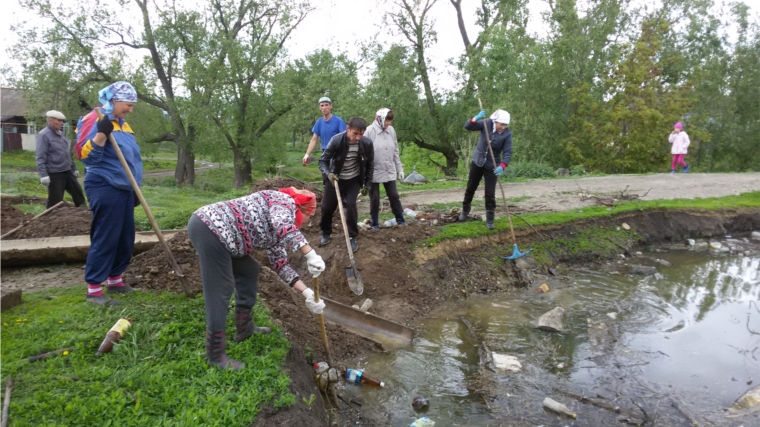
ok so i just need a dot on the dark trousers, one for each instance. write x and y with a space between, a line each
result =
476 174
349 189
374 201
221 274
112 230
64 181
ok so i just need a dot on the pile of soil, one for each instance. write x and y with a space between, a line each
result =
12 216
64 221
399 290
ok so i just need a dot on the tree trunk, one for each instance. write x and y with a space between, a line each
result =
452 164
185 171
242 162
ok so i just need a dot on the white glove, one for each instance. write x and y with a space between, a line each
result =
45 180
311 304
401 176
315 262
76 174
305 159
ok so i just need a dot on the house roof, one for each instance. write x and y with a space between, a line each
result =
12 103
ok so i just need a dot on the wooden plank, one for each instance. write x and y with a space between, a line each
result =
11 299
56 250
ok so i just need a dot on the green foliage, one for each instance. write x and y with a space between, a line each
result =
150 165
587 243
578 170
157 375
528 170
627 132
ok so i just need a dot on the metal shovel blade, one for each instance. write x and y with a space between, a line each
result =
354 279
516 253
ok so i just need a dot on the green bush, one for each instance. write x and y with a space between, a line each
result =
578 170
529 170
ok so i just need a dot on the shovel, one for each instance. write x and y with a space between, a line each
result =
515 252
352 273
173 262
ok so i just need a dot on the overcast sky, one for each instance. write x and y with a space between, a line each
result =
338 25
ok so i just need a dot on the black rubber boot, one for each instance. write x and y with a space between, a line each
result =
465 212
119 289
101 300
244 326
489 220
216 354
325 239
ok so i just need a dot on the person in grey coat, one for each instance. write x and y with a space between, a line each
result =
388 166
54 163
482 167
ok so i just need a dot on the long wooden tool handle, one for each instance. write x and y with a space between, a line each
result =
322 328
173 262
7 401
343 221
47 211
493 160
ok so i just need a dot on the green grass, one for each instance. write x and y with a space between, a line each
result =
473 229
152 165
18 159
156 376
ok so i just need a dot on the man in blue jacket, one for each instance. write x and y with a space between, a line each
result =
482 167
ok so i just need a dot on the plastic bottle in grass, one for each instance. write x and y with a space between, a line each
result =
114 335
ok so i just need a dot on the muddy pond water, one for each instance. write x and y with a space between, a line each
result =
679 345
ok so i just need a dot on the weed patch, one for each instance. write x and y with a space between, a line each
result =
156 376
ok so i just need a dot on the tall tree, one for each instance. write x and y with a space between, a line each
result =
625 130
95 43
243 103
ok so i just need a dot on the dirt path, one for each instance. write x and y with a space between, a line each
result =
562 194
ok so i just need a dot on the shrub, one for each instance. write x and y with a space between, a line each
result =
529 170
577 170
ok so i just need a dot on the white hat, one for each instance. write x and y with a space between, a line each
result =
55 114
500 116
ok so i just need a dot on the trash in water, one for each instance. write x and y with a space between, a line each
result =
558 407
506 362
423 422
544 288
420 402
356 376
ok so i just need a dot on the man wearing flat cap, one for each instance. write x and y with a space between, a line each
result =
54 163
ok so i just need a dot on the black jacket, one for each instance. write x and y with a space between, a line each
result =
501 144
335 154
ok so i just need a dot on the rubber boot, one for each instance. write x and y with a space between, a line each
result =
465 212
489 220
244 326
216 354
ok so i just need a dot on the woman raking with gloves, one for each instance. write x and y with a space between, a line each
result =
482 167
225 234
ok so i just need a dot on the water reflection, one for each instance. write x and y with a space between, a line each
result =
683 333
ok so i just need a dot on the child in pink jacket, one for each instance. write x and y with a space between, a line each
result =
679 141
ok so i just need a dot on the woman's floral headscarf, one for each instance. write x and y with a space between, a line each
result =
119 91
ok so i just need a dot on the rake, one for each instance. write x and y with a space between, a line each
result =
515 251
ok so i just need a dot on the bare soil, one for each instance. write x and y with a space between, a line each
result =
11 216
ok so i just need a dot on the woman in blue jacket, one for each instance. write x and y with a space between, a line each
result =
111 196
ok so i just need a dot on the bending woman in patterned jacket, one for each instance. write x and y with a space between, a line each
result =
224 234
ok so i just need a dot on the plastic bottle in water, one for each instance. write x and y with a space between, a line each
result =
356 376
390 223
114 335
